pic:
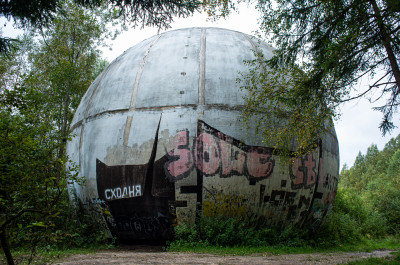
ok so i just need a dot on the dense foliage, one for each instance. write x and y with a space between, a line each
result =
222 231
323 50
375 178
43 79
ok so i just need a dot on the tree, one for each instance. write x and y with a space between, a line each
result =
28 171
375 177
158 13
29 192
64 65
14 65
36 108
323 49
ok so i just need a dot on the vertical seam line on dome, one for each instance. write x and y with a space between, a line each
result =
80 146
127 129
251 42
256 50
139 74
95 89
202 71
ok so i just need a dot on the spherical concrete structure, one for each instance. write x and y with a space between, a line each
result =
158 139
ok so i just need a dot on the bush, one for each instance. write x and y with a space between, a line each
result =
234 232
340 228
72 227
351 220
372 190
77 228
388 206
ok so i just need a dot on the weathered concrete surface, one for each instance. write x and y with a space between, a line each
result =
158 139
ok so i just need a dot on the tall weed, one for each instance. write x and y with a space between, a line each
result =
235 232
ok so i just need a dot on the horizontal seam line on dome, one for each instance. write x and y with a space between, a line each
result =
97 115
168 107
207 107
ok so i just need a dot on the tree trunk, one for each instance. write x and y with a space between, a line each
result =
64 133
6 246
386 41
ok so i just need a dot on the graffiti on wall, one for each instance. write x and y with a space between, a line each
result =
318 211
212 153
158 226
329 182
99 210
303 172
219 203
215 153
322 200
304 209
123 192
119 182
139 198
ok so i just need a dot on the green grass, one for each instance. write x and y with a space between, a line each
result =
47 255
366 245
377 261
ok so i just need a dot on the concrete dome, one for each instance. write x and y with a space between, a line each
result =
158 139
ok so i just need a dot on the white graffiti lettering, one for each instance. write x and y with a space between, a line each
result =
122 192
138 190
131 191
108 197
119 193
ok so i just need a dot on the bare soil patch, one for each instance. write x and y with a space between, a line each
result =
156 255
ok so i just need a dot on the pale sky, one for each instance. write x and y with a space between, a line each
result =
357 128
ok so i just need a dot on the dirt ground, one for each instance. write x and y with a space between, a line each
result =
156 255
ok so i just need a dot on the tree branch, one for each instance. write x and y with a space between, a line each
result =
19 214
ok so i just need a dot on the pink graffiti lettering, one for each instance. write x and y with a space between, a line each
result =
259 164
207 155
231 160
216 154
303 171
299 175
310 165
181 161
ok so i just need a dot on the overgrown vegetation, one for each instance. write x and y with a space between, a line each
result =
211 235
234 232
374 178
328 49
43 78
227 235
73 231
